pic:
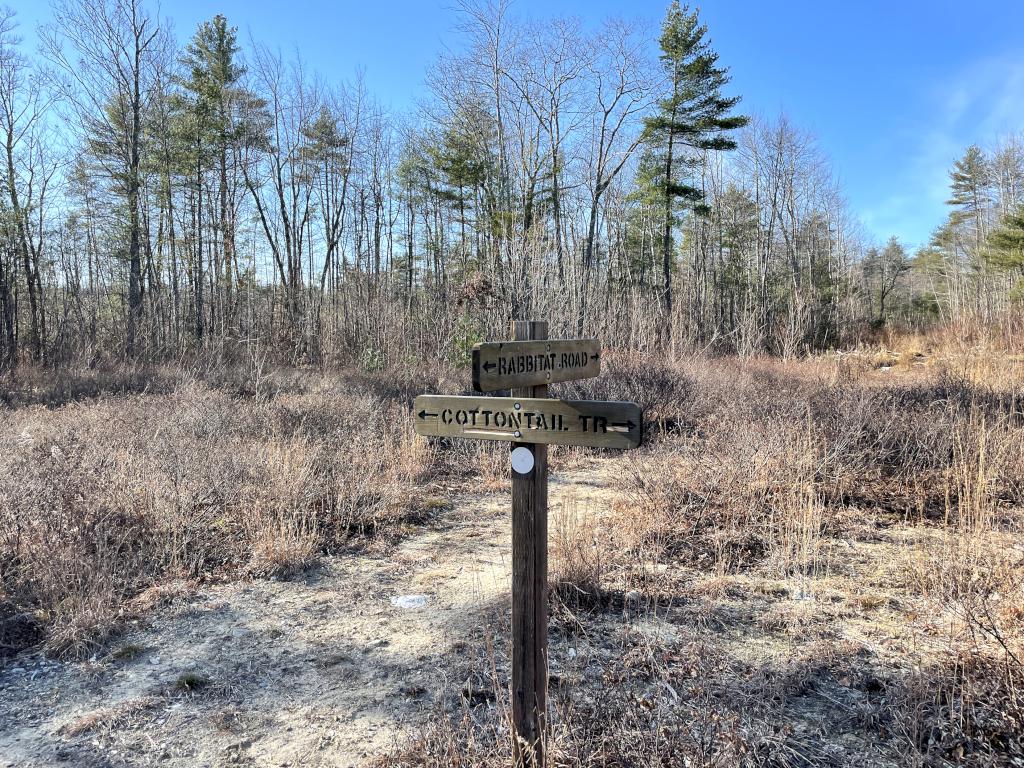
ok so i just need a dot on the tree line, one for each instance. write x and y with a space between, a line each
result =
161 200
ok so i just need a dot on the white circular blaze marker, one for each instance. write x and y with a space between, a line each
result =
522 460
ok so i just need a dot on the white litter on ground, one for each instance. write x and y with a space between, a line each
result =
409 602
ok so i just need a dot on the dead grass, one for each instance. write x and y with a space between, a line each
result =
110 717
581 556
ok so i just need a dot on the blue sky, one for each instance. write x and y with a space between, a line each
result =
894 90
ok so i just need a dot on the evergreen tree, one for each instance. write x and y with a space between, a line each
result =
1007 242
693 117
211 87
641 264
970 182
1006 248
454 155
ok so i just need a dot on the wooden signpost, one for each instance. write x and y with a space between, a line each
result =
531 422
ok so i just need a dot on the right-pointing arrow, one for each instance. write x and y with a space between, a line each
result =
629 425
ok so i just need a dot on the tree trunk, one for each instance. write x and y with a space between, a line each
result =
200 309
32 279
666 241
134 250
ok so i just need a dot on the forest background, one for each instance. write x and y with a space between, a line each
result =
164 201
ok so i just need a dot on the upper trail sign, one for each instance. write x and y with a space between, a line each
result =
508 364
531 421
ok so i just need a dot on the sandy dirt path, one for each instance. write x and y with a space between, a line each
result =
320 671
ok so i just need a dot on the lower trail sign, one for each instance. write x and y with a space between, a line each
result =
596 424
531 421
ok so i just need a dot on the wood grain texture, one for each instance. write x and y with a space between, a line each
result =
520 364
530 585
593 423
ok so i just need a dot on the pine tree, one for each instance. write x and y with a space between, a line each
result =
211 85
1006 245
970 182
693 117
455 157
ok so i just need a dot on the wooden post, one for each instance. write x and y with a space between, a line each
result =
530 584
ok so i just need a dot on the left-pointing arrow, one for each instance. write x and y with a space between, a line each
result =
423 414
488 366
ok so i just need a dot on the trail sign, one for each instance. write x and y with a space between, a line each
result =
531 421
508 364
592 423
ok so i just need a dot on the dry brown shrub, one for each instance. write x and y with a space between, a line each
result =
961 709
582 554
282 546
755 472
101 500
729 501
29 385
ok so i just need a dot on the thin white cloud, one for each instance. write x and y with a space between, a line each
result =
982 103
